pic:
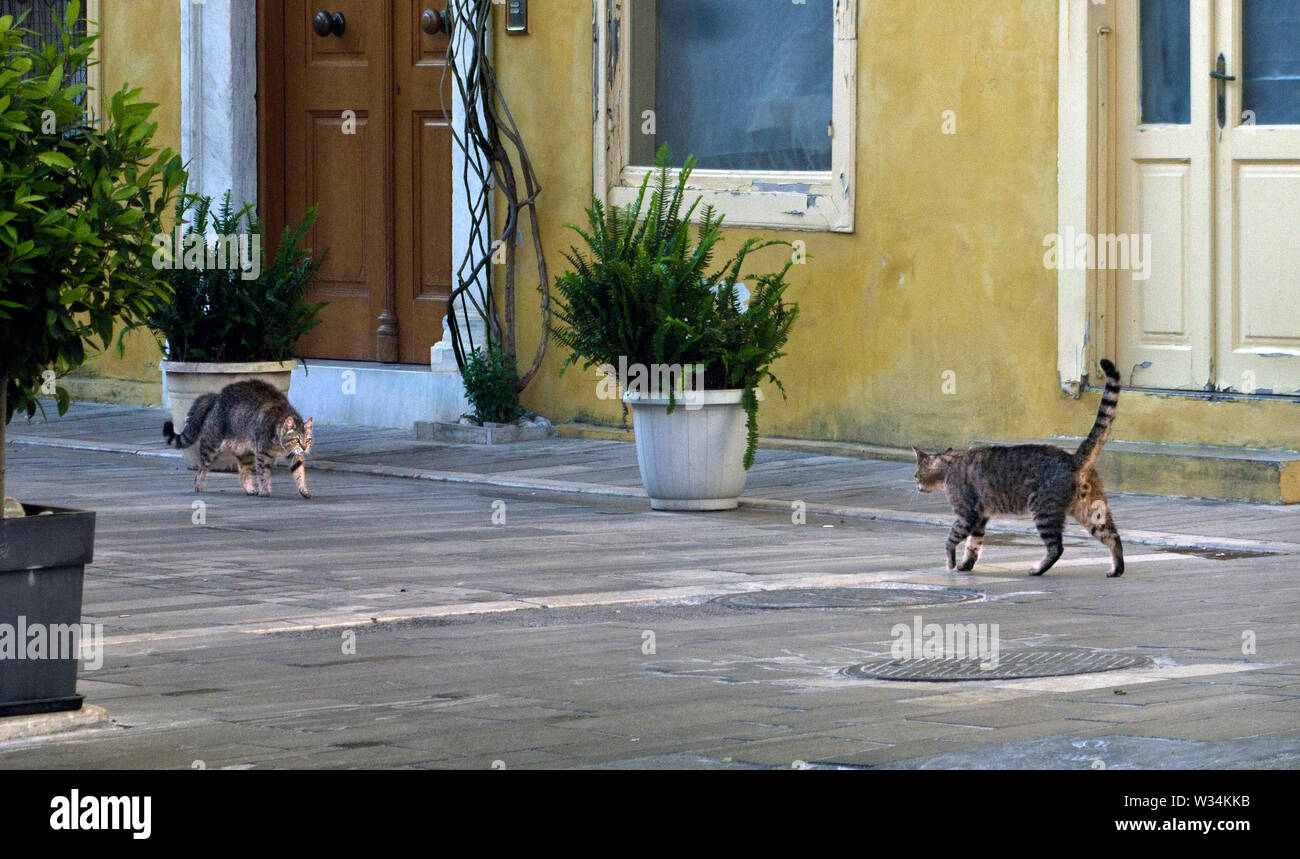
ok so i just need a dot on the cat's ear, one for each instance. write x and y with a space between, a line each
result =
309 423
288 423
920 454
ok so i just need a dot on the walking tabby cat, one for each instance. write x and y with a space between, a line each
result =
1038 479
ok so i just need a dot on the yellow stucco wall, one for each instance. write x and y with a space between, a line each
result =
944 271
140 45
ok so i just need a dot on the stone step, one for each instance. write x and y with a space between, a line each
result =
376 395
1194 471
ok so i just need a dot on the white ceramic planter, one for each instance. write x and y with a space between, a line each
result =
694 458
183 383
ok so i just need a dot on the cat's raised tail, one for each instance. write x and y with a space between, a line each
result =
193 422
1086 456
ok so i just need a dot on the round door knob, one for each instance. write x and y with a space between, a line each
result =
433 22
326 24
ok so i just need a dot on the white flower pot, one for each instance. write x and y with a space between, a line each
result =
694 458
183 383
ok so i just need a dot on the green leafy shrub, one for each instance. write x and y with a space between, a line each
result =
218 315
491 385
646 290
79 205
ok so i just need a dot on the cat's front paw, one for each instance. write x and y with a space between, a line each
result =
305 494
968 564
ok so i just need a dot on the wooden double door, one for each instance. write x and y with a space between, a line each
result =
1209 170
358 129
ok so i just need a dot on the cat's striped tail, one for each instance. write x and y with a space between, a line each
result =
1086 456
193 423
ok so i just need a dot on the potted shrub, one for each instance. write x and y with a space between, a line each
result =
645 295
492 388
79 204
231 317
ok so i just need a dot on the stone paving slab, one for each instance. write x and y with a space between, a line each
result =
192 672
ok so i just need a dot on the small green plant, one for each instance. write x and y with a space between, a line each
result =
648 291
491 385
217 312
79 204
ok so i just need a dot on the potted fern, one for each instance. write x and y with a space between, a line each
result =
231 316
645 295
79 203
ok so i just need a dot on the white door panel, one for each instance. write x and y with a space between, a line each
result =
1258 199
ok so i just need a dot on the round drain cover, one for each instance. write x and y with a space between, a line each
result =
877 597
1011 665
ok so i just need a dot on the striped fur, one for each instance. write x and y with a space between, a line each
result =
255 422
1086 456
1036 479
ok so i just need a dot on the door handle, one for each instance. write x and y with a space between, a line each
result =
1220 74
433 22
326 24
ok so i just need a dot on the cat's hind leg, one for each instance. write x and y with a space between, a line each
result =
1092 510
208 451
1051 527
1097 519
246 473
974 544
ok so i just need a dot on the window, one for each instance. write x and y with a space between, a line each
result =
762 92
42 22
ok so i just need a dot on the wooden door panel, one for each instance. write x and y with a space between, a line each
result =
422 157
336 158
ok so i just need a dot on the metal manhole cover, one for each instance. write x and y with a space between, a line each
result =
808 598
1011 665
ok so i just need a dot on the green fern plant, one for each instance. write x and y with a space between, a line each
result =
646 288
215 314
490 379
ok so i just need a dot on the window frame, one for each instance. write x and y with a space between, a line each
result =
784 200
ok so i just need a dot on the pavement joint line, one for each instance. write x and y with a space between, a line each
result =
1154 538
309 623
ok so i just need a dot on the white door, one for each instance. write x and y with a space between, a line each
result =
1209 168
1258 198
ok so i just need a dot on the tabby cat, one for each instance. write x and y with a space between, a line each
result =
1038 479
256 423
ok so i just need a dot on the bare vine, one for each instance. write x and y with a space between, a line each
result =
492 146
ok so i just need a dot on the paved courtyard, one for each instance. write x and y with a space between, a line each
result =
442 606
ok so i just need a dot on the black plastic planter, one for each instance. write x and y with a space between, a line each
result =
42 566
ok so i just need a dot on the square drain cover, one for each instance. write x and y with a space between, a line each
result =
1011 665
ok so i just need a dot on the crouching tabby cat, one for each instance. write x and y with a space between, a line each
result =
256 423
1039 479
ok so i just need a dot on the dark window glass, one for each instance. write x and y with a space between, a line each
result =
1166 32
740 84
1271 76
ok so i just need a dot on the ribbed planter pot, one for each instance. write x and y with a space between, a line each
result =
694 458
183 383
43 559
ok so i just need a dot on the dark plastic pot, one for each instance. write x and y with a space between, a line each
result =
42 567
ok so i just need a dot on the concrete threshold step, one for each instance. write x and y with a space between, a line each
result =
1194 471
851 449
